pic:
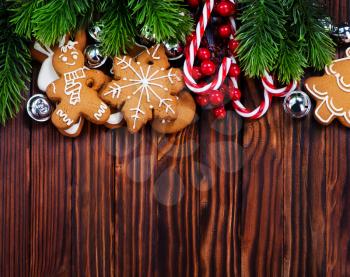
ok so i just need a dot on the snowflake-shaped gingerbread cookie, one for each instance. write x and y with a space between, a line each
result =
144 87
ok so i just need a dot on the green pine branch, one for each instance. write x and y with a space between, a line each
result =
166 19
119 28
260 35
56 18
21 18
15 67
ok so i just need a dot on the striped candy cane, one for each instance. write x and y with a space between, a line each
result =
191 51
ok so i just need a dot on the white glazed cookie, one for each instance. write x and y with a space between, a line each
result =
144 88
76 92
332 92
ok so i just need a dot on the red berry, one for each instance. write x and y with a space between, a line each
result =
225 8
203 54
196 73
234 70
219 112
224 30
234 93
216 97
202 100
193 3
233 45
208 67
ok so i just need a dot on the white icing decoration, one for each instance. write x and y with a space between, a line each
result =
64 117
146 82
102 109
115 118
73 129
73 88
47 74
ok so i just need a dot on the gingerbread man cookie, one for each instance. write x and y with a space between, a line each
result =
76 92
144 88
332 92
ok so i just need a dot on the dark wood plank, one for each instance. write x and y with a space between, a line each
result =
262 191
338 201
15 197
177 196
135 204
93 229
338 179
304 210
219 185
51 207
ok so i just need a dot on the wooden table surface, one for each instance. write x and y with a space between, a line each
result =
222 198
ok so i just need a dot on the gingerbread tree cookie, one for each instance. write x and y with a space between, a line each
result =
332 92
144 87
76 91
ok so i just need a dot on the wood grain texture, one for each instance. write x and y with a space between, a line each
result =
221 198
15 197
93 228
220 163
177 202
51 203
262 193
135 206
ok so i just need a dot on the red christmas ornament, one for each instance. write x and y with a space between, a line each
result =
202 100
225 8
197 73
203 54
216 97
234 70
224 30
234 93
233 45
208 67
193 3
219 113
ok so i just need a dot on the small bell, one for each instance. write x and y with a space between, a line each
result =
327 25
174 51
95 32
342 33
146 39
297 104
94 58
39 108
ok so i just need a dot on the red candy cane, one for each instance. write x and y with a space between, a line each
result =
191 51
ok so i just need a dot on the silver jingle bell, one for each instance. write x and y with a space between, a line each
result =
95 32
297 104
342 34
327 25
94 58
146 39
39 108
174 51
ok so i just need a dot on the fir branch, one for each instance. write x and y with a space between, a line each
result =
21 18
15 67
58 17
119 28
260 35
166 19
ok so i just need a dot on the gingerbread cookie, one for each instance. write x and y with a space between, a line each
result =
186 112
332 92
144 88
43 54
76 91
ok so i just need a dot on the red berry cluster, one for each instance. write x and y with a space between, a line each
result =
206 60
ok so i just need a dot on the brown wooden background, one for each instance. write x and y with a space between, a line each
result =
231 198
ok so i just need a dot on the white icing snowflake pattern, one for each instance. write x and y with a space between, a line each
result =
145 82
